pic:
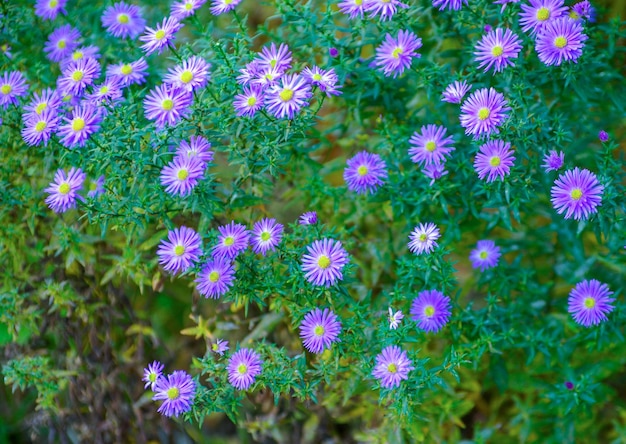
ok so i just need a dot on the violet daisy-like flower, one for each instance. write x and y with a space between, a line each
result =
431 310
47 99
538 13
483 112
272 57
151 374
12 85
323 262
81 53
589 302
504 3
494 160
84 122
385 8
39 127
61 43
560 40
434 171
392 366
215 278
49 9
232 240
123 20
365 173
423 238
266 235
497 49
197 148
191 75
249 101
395 55
167 104
319 329
394 318
185 8
129 73
79 75
177 392
485 255
583 10
96 187
352 8
325 80
180 251
553 161
219 347
577 193
288 98
63 191
267 77
455 91
308 218
249 73
181 175
243 368
108 92
431 146
160 37
452 5
603 136
219 7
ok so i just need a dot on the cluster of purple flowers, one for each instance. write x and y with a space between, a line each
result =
63 191
176 390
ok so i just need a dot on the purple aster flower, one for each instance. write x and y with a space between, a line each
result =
287 99
392 366
583 10
219 7
243 368
167 105
181 175
603 136
49 9
215 278
494 160
324 261
61 43
553 161
151 374
96 187
396 55
197 148
180 251
267 77
394 318
485 255
497 49
185 8
192 75
249 101
452 5
504 3
423 238
6 50
63 191
366 172
47 99
487 28
272 57
249 73
108 92
560 40
434 171
177 392
157 39
569 385
431 146
431 310
455 92
333 52
39 127
79 75
219 347
535 16
589 302
319 329
325 80
84 122
483 112
352 8
385 8
577 193
123 20
12 85
232 240
308 218
81 53
266 235
129 73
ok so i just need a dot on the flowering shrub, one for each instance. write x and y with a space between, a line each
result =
354 220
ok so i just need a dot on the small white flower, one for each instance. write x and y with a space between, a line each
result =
394 318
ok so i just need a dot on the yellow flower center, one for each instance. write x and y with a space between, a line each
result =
573 15
61 44
77 55
126 69
214 347
179 250
214 276
173 393
273 63
251 101
494 161
229 240
64 188
41 125
104 90
543 14
159 34
397 52
182 174
392 368
358 2
423 237
323 261
362 170
93 186
77 76
41 107
560 42
6 89
186 76
431 146
53 4
167 104
242 369
78 124
319 330
385 1
483 255
152 377
429 311
286 95
317 77
265 236
228 2
497 51
123 18
483 113
576 193
188 6
589 302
